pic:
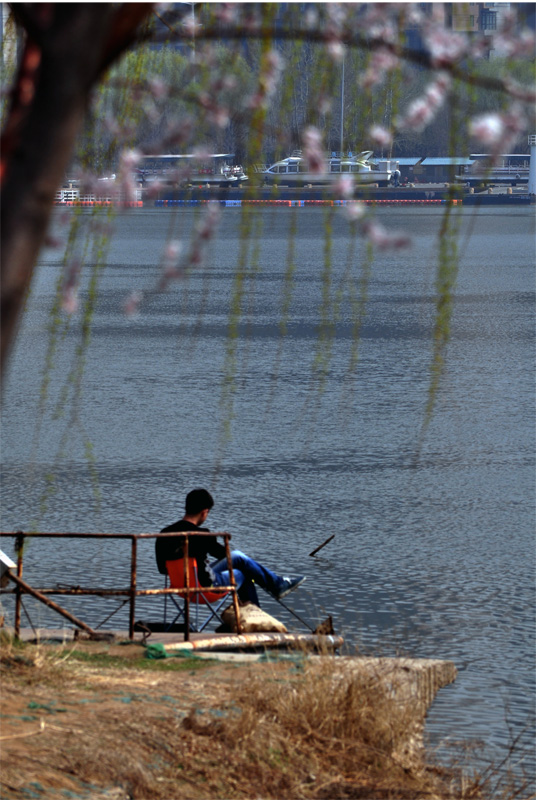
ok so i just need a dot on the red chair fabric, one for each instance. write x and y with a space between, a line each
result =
177 580
207 596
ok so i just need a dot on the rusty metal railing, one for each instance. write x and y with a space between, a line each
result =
132 592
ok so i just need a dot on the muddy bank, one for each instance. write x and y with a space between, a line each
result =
101 720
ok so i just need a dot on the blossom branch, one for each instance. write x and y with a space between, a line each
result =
448 59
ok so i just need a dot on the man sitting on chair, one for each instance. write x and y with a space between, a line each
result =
247 572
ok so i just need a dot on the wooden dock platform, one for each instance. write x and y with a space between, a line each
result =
198 642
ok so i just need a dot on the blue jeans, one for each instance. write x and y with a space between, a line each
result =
247 572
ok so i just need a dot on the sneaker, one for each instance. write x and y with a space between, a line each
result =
288 585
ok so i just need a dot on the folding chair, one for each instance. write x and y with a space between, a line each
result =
211 597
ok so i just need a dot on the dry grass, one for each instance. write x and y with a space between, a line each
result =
318 735
104 726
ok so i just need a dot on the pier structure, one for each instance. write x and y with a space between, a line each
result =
532 168
14 574
244 636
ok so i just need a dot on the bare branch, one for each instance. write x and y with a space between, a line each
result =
123 30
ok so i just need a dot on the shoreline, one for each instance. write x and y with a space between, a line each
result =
420 194
96 700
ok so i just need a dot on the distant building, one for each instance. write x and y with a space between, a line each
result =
484 19
441 169
408 167
478 19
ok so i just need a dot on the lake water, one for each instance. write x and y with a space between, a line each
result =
433 553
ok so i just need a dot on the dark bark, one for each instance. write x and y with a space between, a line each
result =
67 47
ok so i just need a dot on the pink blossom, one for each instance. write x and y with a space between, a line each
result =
150 109
158 87
201 153
190 25
256 100
446 47
325 103
125 185
251 20
130 159
515 45
383 239
355 210
374 15
423 110
171 256
333 30
344 187
515 123
132 303
418 116
224 82
336 16
336 51
382 61
207 225
220 116
508 23
414 16
226 13
69 301
272 67
382 30
313 152
526 44
153 190
216 113
525 93
112 125
89 183
479 46
380 136
311 18
487 128
126 188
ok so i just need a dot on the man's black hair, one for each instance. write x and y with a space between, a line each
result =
197 500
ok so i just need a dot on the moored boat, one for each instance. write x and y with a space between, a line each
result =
293 171
486 169
211 169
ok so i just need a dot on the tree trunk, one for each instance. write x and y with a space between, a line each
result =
66 49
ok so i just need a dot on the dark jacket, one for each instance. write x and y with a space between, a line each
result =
199 547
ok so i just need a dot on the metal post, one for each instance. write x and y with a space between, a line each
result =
187 596
532 165
233 584
19 547
133 580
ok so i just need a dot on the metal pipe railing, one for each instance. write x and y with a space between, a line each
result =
132 592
